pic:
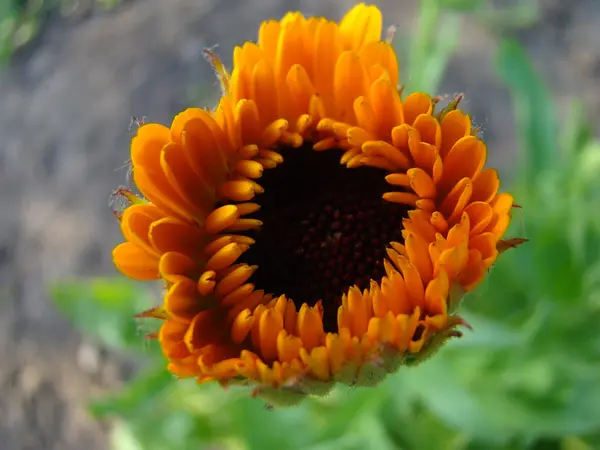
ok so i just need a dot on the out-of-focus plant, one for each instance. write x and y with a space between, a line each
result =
534 382
437 34
21 20
18 25
525 378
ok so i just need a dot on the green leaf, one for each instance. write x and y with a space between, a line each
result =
535 114
104 309
373 434
140 393
123 438
248 419
462 5
450 400
523 14
486 333
577 132
346 407
432 46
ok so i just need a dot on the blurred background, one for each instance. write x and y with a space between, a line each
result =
76 372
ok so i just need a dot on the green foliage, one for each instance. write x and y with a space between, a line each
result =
534 109
21 20
434 43
525 378
104 308
18 25
437 36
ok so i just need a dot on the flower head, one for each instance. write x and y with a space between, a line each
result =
317 227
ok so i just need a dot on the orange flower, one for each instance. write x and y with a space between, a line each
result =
316 228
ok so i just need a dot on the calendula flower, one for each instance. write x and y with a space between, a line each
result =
316 227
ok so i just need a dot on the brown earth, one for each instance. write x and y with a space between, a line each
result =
65 104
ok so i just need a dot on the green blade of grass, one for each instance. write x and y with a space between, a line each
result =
535 115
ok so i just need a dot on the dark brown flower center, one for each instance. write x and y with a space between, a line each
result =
325 229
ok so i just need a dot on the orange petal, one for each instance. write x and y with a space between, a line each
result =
301 87
465 160
266 98
360 311
398 179
221 218
405 198
173 266
290 48
412 279
206 282
268 35
456 200
170 336
207 328
439 222
238 295
424 155
436 294
361 25
182 301
416 104
237 190
288 346
480 215
135 224
387 106
382 149
328 46
476 271
310 327
226 256
419 223
486 245
338 345
202 146
134 262
271 323
147 145
318 363
418 253
188 185
421 183
367 121
455 125
429 129
350 82
241 326
235 279
379 54
155 187
169 234
485 186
